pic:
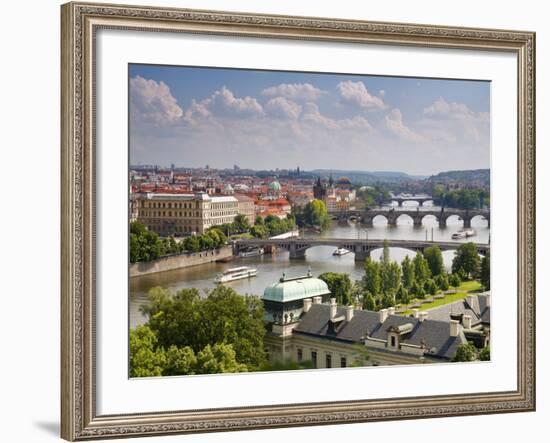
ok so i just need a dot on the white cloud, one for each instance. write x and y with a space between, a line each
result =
357 94
443 109
313 115
281 107
394 122
152 102
224 103
295 91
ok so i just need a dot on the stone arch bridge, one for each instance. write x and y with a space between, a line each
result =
297 247
441 215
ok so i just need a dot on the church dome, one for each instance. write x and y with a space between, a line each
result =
286 290
275 186
343 181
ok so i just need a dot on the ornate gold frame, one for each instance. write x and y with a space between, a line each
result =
79 23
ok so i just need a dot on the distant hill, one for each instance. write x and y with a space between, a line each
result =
475 175
367 177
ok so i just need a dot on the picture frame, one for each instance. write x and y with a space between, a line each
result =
80 24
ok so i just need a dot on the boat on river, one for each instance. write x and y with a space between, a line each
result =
341 251
233 274
463 233
251 252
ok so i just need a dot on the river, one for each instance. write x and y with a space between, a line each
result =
319 259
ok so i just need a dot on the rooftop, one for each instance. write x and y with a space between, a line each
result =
291 289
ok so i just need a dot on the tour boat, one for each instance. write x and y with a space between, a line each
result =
470 232
458 235
341 251
236 274
252 252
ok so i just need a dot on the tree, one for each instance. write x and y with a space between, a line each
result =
259 220
466 260
315 214
435 260
466 352
442 281
390 276
386 252
417 290
371 279
192 244
180 361
186 319
485 354
145 359
407 272
421 268
430 287
455 281
145 245
402 295
219 358
259 231
339 285
241 223
369 302
485 274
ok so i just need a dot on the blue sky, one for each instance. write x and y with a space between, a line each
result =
270 119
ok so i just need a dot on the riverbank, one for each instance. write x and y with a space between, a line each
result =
180 261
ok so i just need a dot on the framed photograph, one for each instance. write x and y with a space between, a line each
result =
277 221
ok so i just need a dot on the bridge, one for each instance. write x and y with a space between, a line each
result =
297 247
421 199
391 215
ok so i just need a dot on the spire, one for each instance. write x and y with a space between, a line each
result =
330 180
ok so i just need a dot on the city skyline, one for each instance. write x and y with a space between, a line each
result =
268 120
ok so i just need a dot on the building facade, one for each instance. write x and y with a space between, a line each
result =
185 214
245 206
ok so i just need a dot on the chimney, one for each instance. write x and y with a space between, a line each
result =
317 300
349 313
333 307
454 328
391 311
488 300
467 322
422 315
382 315
307 304
415 313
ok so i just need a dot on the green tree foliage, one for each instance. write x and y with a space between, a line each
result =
430 287
219 358
192 244
455 281
373 195
485 274
259 220
466 352
241 223
402 295
421 268
371 280
339 285
435 260
390 277
417 290
314 213
485 354
145 245
259 231
386 252
442 281
461 198
466 260
184 319
145 360
180 361
369 302
277 226
407 272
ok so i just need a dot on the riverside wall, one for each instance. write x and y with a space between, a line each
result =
180 261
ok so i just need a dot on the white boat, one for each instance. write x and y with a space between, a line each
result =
458 235
470 232
341 251
252 252
236 274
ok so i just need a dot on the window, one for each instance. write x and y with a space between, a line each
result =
343 362
299 354
392 340
314 358
328 361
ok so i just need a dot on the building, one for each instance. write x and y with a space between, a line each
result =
185 214
245 206
279 207
319 190
331 336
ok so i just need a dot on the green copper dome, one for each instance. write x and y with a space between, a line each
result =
275 186
295 289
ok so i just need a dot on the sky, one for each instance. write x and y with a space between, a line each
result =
192 116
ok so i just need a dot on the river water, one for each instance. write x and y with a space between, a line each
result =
319 259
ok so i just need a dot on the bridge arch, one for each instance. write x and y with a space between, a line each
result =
484 217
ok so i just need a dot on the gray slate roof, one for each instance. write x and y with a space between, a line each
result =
434 334
478 310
